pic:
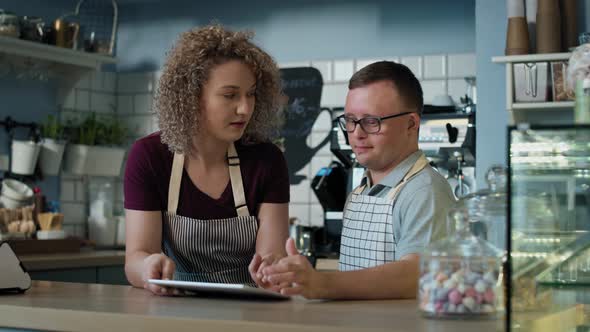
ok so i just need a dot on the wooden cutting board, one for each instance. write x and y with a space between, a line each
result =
34 246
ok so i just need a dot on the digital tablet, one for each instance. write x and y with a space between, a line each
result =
218 288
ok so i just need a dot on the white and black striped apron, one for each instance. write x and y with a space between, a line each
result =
214 250
367 227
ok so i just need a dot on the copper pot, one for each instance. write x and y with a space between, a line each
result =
66 33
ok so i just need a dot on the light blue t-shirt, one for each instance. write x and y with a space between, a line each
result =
420 210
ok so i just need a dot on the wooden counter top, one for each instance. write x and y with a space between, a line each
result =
39 262
94 307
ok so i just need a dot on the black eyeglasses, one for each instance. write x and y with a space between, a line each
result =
369 124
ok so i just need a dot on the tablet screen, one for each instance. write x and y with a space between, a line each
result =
228 289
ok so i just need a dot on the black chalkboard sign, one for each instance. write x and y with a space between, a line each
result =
303 86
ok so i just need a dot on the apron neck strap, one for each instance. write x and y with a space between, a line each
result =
235 176
175 179
237 185
415 169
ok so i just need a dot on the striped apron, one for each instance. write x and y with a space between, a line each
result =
214 250
367 227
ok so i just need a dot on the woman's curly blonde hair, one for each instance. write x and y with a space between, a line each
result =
186 71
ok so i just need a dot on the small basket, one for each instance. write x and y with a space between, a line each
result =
98 21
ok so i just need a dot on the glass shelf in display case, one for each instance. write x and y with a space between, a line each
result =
548 214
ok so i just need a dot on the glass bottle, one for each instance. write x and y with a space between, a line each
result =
459 275
582 104
9 24
32 28
487 208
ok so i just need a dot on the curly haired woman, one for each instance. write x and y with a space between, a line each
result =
206 197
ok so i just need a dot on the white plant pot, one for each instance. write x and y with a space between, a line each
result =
75 158
51 155
24 157
104 161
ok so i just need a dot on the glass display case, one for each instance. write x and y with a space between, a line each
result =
548 261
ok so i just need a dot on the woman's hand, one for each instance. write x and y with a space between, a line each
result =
258 264
158 266
294 275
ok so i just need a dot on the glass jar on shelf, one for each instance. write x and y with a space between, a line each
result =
9 24
32 28
460 276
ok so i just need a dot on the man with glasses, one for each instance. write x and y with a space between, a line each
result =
399 207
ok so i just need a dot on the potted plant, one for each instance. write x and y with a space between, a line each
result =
96 150
81 137
52 146
106 157
24 156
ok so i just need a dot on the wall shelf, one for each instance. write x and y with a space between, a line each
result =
551 105
531 58
526 108
20 50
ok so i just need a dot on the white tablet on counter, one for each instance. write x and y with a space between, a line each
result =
218 288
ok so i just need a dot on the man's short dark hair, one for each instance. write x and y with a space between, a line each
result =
403 79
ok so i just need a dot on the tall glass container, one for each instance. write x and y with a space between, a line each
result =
460 275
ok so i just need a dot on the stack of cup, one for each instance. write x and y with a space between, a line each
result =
517 34
569 24
548 26
531 18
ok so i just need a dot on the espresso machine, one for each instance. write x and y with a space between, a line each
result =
332 184
447 137
448 141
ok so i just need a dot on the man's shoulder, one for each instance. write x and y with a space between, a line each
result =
429 181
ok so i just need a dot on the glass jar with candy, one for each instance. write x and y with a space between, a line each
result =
460 276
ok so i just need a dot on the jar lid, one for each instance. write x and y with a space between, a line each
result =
35 19
6 13
462 243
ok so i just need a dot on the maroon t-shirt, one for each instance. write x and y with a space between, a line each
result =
147 178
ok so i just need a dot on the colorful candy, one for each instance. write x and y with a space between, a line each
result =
459 292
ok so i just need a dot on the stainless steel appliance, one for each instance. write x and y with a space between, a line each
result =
448 140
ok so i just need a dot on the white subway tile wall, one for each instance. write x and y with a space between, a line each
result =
435 67
142 104
325 68
343 69
300 192
135 82
334 94
124 104
360 63
131 95
94 92
103 102
457 88
415 65
82 100
66 98
433 88
461 65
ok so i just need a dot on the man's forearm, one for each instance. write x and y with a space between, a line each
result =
396 280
